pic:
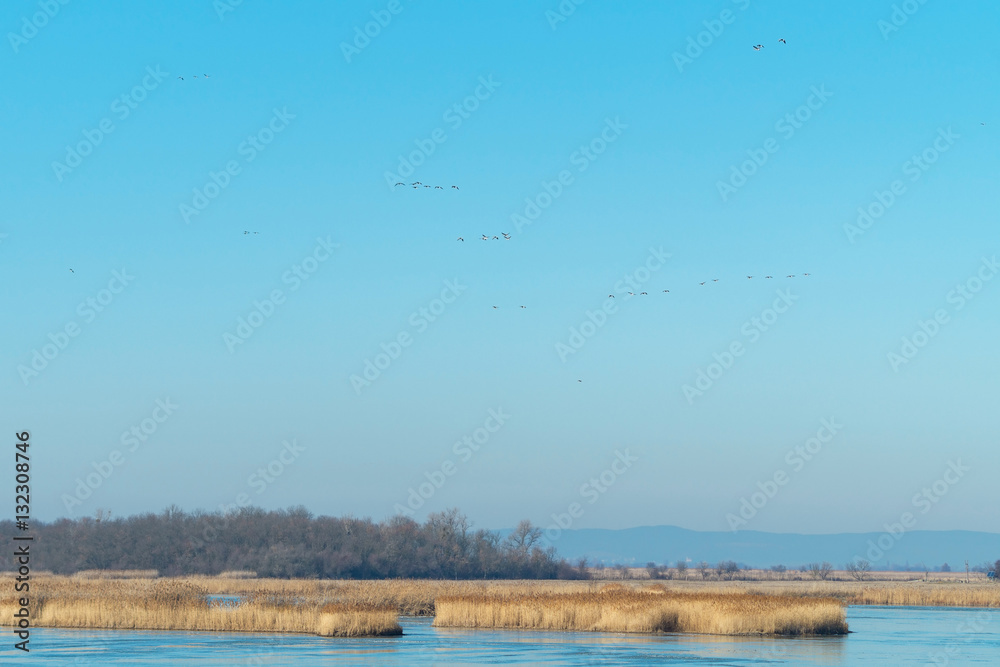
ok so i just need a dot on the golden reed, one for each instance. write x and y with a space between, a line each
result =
375 604
172 604
618 609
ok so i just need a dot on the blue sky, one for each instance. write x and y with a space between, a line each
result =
328 128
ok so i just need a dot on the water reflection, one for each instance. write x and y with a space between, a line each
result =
880 635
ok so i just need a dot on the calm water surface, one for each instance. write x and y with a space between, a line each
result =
880 636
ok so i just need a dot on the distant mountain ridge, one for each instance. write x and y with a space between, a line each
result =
917 549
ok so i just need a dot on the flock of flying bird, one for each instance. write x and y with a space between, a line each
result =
416 186
196 76
714 280
666 291
486 237
758 47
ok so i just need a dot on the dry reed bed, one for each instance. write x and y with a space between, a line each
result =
620 609
912 593
171 604
117 574
373 602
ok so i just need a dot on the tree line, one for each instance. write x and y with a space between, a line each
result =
290 543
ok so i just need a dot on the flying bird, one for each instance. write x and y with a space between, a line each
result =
438 187
72 271
643 293
749 277
496 238
461 239
181 78
767 276
758 47
494 307
522 306
611 296
455 187
805 274
701 283
783 41
666 291
399 184
715 280
791 275
486 238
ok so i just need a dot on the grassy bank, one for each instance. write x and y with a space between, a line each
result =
416 597
911 593
366 608
176 604
620 609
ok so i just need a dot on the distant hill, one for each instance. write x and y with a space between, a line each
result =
750 548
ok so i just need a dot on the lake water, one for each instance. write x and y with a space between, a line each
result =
880 636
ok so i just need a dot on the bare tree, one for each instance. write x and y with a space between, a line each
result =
727 569
819 570
703 569
682 569
524 536
859 568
